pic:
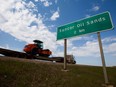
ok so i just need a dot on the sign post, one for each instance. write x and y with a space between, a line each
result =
102 58
97 23
65 54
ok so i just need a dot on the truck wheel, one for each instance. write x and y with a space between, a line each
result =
34 51
74 62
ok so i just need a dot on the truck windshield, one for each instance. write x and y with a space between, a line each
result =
41 45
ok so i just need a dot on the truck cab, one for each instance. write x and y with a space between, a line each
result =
70 59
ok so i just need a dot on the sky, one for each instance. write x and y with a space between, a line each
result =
22 21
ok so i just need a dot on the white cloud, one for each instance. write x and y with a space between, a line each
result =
2 19
6 46
31 4
36 0
55 15
109 44
19 23
46 3
109 39
89 49
95 8
111 47
2 47
56 1
87 15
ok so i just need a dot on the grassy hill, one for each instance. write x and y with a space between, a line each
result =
27 73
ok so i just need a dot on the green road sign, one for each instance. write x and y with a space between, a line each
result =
92 24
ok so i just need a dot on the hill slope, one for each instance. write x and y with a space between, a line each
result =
27 73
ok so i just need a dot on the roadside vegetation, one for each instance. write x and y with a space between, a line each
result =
14 73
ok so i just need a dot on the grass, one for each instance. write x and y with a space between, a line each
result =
14 73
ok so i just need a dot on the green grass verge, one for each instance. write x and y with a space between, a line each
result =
25 74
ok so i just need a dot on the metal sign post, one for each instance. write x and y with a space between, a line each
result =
65 53
93 24
102 58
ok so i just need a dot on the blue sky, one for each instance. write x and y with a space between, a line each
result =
22 21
